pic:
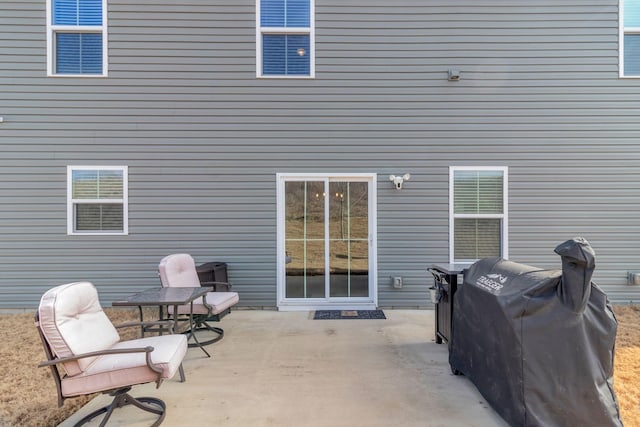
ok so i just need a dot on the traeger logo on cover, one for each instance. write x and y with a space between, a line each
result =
492 282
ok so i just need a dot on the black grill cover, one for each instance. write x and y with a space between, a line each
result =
538 344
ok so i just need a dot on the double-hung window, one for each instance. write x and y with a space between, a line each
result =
285 38
629 38
478 213
97 200
76 38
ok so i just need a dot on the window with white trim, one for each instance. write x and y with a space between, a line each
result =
76 38
285 38
478 213
97 200
629 38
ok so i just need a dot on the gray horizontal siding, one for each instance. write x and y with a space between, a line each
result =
203 138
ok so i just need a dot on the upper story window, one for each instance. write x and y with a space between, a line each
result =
97 200
285 38
629 38
478 220
76 38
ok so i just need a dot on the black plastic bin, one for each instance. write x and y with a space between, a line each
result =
213 272
445 285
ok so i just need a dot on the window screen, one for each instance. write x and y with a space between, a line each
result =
77 12
285 38
77 37
478 214
97 200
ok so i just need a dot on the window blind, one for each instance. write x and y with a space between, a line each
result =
632 54
478 192
632 13
476 238
78 53
101 217
77 12
285 13
285 54
97 184
631 40
97 200
273 57
478 207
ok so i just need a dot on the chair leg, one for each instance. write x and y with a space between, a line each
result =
182 377
204 326
123 398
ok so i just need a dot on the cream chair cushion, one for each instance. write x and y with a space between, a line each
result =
219 302
73 322
179 270
129 369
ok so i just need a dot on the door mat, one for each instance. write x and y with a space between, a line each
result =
348 314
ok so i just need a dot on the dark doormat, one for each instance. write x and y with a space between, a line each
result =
348 314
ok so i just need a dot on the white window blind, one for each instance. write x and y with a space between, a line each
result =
97 198
478 214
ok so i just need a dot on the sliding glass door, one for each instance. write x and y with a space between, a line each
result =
325 240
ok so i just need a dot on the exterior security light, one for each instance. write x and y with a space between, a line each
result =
398 180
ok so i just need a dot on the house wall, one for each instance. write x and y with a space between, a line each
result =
203 137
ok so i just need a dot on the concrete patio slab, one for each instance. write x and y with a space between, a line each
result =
285 369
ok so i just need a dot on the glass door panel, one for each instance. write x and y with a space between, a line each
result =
348 239
326 230
304 239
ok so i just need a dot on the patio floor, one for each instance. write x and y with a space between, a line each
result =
285 369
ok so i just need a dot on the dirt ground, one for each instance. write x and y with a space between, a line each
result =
627 364
28 394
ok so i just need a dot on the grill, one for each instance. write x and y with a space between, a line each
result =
538 344
445 285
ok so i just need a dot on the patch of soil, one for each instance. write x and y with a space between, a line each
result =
28 395
626 375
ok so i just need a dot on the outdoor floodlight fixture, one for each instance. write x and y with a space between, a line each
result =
398 180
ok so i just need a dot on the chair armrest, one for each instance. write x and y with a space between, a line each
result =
147 350
215 286
168 323
58 360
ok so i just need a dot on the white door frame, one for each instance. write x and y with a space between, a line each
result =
301 304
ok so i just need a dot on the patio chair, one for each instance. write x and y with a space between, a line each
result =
86 355
180 270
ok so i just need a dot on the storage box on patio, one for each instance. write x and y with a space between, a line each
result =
538 344
212 272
